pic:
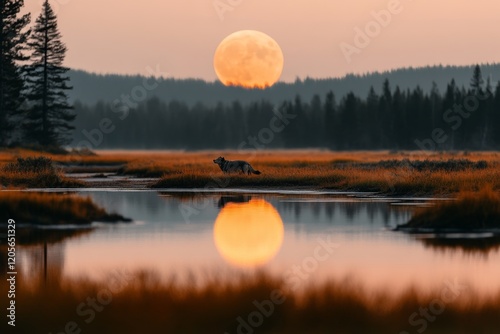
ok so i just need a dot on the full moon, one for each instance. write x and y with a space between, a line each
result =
249 59
248 234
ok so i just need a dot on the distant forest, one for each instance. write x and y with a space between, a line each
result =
459 118
92 88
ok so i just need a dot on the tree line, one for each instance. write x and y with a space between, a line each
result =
91 88
459 118
34 107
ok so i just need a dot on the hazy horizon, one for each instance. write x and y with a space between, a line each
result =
340 77
181 38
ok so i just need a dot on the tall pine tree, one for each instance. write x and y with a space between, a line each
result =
477 82
13 38
48 121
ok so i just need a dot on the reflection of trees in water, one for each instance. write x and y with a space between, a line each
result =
130 201
224 200
172 201
3 259
33 262
316 210
351 210
374 211
40 252
33 237
469 246
329 210
297 209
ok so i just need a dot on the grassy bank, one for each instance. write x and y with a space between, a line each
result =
133 304
472 211
408 173
34 172
403 173
349 178
52 209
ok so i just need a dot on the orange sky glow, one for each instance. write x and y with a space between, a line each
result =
126 37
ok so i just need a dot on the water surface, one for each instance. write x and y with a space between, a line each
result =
285 234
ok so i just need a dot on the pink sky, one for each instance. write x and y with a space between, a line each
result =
125 36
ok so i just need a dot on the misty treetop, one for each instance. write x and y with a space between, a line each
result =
458 118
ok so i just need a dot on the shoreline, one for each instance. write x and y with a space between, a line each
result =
292 191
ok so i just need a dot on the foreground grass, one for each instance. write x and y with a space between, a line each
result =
52 209
472 211
133 304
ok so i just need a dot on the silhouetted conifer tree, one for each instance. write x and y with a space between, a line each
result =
477 80
48 120
13 37
330 125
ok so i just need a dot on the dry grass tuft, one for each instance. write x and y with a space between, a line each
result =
34 172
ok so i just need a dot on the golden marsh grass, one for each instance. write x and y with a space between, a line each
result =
141 302
379 171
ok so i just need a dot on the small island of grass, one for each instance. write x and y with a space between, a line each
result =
471 212
53 209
